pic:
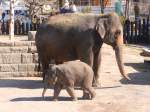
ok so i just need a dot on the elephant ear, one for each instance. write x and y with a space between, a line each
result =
100 28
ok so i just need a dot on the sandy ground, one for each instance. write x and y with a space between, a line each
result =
115 94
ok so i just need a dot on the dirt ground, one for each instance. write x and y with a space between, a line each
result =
23 94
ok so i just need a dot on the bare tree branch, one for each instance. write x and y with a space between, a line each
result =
34 6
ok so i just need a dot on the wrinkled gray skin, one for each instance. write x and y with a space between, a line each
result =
79 36
68 75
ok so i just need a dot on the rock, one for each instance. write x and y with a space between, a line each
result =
146 52
31 35
147 61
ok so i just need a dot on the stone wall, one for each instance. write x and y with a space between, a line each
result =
18 58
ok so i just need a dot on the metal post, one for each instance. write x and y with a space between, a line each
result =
11 27
127 9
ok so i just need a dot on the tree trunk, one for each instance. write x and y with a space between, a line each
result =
60 3
102 6
11 26
127 9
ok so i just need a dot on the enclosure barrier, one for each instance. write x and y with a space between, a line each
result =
135 32
19 28
138 31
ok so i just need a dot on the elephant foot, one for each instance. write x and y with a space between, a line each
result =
86 96
43 97
55 99
74 99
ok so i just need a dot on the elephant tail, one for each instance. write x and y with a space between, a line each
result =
39 65
39 68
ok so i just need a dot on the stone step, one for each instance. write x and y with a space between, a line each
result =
32 67
9 43
18 58
146 52
18 49
19 74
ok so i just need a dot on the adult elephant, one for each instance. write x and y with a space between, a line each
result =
79 36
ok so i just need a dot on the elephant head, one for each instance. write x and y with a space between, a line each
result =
50 78
110 30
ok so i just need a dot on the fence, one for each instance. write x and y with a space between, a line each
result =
19 28
134 32
137 31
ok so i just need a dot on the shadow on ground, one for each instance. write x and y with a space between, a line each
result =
142 77
139 78
107 87
23 84
141 67
33 84
41 99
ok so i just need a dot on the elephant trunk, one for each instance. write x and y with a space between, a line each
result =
118 52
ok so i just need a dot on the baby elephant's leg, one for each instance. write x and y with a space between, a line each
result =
86 94
91 91
87 86
71 92
57 89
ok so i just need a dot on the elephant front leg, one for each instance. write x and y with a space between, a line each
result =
71 92
92 92
86 94
96 68
57 89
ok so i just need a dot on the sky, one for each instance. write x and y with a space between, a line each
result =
5 4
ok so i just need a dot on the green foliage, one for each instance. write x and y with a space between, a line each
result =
122 19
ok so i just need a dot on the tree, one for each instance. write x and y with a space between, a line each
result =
103 4
127 9
34 6
11 26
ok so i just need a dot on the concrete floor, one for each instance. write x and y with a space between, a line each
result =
23 94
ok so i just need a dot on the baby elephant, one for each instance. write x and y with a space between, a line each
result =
68 75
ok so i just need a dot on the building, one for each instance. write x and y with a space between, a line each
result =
94 4
109 5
